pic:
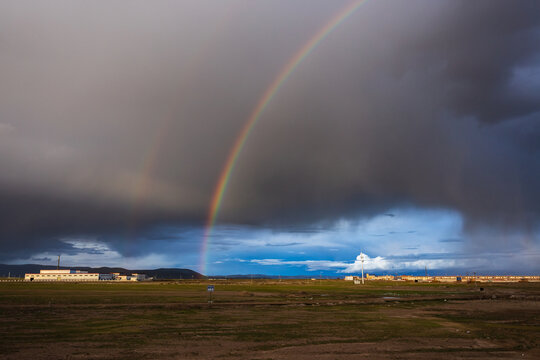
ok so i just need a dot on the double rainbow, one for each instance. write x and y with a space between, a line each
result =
268 95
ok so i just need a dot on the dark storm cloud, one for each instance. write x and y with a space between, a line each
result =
116 118
419 108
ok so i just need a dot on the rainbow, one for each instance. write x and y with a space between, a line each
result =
268 95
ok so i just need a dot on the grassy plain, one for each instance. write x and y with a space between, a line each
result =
263 319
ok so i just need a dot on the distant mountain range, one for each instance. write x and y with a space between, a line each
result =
262 276
174 273
169 273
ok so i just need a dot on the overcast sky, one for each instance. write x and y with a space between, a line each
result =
411 133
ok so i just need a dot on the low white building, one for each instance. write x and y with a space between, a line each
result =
81 275
66 275
132 277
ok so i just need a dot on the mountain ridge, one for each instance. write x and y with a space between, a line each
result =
160 273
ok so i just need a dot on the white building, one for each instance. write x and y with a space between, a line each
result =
67 275
132 277
81 275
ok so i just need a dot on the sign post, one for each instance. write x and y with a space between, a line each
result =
210 290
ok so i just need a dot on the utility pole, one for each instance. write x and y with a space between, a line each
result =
362 260
58 266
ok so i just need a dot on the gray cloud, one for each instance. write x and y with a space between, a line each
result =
116 119
451 240
285 244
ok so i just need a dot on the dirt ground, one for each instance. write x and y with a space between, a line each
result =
265 320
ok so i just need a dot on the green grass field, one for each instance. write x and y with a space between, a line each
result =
268 320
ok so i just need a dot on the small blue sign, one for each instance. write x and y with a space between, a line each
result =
210 288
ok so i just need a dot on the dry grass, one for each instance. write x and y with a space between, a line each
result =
268 320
